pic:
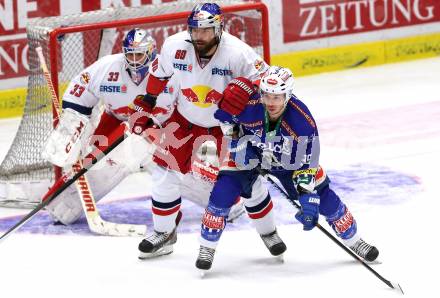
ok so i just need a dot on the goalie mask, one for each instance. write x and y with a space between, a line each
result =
277 80
139 49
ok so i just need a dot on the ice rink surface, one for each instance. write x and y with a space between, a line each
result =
380 134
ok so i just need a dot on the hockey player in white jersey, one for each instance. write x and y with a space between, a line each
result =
202 61
115 80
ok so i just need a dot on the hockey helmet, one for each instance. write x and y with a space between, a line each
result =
206 15
277 80
139 41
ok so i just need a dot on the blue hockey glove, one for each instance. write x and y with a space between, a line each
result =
309 213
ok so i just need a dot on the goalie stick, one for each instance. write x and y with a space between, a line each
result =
392 285
94 220
88 203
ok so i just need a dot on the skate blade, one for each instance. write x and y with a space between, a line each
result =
166 250
202 273
375 262
280 258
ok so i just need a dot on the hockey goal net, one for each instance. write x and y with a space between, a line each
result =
71 43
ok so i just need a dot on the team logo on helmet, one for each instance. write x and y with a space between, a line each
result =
206 15
139 41
285 76
278 80
272 81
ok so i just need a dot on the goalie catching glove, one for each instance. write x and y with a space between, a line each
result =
64 144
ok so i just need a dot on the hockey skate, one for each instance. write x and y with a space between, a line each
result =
364 250
205 259
274 243
158 243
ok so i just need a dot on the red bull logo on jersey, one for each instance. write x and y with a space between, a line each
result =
202 96
124 111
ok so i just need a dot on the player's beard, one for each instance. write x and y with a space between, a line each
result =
203 48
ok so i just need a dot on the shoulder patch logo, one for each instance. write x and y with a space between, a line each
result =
258 64
85 78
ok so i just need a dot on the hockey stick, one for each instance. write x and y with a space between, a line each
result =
94 220
88 203
392 285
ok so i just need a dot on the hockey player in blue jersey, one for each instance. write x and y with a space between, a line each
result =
275 132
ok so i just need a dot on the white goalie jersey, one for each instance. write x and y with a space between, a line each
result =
107 80
106 83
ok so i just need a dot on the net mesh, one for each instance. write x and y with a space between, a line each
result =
23 163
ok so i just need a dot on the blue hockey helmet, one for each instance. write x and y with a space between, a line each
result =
139 41
207 15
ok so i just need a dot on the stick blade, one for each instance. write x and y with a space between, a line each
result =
397 287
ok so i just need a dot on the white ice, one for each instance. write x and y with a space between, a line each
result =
387 116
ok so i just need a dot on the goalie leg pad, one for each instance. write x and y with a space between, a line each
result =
196 189
66 208
102 178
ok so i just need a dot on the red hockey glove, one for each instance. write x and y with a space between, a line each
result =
142 107
237 95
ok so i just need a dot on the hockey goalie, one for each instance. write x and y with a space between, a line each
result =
112 82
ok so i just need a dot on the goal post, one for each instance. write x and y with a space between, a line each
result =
73 42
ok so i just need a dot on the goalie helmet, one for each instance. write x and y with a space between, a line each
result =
278 80
138 41
207 15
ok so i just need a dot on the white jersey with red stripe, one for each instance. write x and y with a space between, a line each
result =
109 80
201 86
